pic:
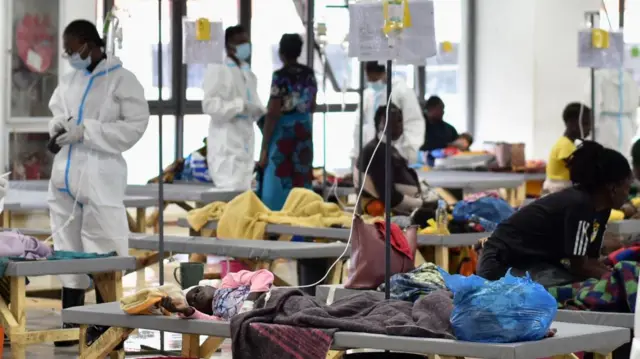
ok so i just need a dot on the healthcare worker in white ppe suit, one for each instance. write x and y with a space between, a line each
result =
103 112
231 100
616 95
402 96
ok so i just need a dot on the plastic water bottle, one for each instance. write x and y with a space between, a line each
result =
442 217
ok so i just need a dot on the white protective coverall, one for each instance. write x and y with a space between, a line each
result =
414 124
231 99
616 95
111 105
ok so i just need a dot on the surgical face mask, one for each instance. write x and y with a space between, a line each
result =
243 51
77 62
377 85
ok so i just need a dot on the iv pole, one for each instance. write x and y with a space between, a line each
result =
387 192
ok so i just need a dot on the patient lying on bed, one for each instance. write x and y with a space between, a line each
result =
234 294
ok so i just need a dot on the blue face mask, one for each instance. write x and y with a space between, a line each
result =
78 62
377 86
243 51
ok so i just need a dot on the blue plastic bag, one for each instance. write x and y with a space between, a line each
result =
511 309
488 208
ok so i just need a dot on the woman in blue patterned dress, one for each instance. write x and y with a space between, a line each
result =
286 158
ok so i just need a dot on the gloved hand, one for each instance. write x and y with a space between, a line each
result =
4 187
74 134
255 110
58 124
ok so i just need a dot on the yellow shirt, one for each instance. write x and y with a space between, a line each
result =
556 166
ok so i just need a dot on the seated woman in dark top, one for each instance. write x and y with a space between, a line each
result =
566 225
406 195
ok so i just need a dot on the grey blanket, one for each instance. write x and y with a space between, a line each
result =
293 325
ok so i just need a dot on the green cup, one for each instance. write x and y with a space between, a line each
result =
191 274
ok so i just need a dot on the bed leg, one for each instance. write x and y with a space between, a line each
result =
190 346
209 347
82 347
18 303
602 356
442 257
141 220
109 284
6 219
335 277
105 344
335 354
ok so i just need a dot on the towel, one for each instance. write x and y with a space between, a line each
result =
265 333
145 301
398 240
246 217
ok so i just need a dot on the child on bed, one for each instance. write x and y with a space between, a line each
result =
224 301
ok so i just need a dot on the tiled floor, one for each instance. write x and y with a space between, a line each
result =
45 313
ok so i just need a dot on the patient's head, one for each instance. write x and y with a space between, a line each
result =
201 298
464 141
395 120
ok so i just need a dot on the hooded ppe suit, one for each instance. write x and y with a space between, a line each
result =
110 103
231 99
617 96
414 125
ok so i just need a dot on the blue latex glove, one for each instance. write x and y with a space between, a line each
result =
73 135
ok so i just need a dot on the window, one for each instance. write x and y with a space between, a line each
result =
339 141
34 61
139 51
271 19
631 27
142 159
220 10
443 77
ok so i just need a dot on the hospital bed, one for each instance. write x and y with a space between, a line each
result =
331 293
472 181
624 227
20 200
258 254
441 244
106 274
569 338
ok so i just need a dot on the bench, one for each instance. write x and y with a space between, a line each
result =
105 272
440 243
258 254
569 338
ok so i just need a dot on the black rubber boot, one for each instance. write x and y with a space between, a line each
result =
70 298
95 331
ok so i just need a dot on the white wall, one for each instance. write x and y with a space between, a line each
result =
526 69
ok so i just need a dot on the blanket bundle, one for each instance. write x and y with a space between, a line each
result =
614 292
295 326
146 301
246 216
